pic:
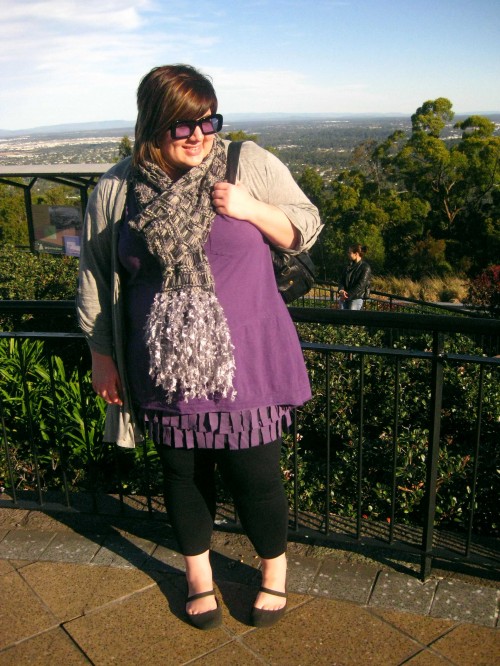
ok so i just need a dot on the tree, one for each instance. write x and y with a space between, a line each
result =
58 195
432 116
124 148
424 204
13 227
240 135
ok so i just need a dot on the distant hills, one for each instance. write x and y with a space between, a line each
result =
229 119
69 127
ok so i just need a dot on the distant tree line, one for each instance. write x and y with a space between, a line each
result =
423 205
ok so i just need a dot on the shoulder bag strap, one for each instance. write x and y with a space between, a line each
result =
233 157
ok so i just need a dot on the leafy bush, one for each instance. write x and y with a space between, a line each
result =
55 423
484 290
28 276
36 277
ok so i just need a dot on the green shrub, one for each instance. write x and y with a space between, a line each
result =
36 277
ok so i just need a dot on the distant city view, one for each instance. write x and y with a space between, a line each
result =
319 141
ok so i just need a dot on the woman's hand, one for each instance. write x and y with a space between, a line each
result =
236 201
233 200
105 379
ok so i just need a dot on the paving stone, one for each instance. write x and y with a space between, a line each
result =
11 517
71 547
325 632
229 655
466 603
124 551
423 628
71 590
427 658
21 612
24 544
395 590
5 567
146 628
352 582
301 573
470 645
165 559
51 647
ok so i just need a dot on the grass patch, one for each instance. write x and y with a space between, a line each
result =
433 289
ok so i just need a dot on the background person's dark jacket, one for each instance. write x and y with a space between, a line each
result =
355 280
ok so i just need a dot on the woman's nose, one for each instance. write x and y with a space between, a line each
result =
197 135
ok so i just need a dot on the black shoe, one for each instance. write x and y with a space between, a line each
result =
210 619
266 618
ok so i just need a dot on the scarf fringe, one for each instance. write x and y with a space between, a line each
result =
190 346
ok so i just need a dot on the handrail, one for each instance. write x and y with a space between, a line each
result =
402 320
358 361
425 322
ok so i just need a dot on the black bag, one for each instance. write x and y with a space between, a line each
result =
294 273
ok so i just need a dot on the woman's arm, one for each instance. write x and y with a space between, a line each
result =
290 220
236 201
96 280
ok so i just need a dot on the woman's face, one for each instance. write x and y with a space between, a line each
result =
181 155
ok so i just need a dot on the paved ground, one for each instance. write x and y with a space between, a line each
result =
84 589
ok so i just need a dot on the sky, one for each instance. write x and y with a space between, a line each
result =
72 61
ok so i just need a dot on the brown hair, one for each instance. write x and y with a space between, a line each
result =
358 249
166 94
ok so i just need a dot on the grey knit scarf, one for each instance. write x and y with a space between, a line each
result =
191 354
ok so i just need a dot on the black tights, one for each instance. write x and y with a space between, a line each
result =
253 477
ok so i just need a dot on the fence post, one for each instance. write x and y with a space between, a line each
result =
433 453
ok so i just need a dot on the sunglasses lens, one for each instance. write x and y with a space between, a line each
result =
183 130
217 121
207 125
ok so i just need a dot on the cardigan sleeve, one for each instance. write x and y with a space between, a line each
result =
270 181
96 273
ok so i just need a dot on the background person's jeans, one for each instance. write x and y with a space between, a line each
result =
355 304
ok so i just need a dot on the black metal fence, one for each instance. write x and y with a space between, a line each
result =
405 420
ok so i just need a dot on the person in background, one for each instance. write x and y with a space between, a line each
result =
188 332
354 284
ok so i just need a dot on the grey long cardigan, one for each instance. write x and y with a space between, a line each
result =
100 297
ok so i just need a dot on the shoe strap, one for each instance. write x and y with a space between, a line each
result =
267 590
200 595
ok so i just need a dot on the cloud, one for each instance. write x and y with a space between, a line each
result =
62 55
268 90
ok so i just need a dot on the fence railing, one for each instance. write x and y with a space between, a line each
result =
396 449
324 294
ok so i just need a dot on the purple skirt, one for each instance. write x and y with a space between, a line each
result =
218 430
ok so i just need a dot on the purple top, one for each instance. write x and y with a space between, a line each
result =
270 369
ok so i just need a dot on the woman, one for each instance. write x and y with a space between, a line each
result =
354 285
186 327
